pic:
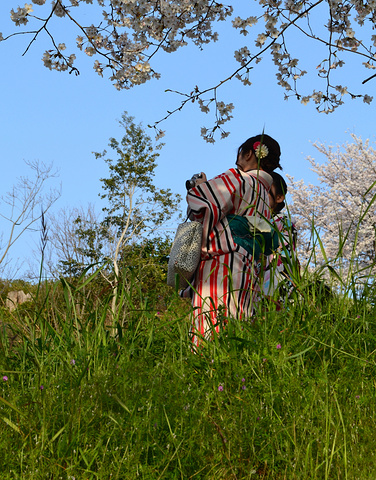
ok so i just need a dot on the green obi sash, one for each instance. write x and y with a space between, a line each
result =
252 239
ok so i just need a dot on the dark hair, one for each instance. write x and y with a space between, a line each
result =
271 161
280 189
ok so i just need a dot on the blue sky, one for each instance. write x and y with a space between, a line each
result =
61 118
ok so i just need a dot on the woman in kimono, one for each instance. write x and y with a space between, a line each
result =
233 209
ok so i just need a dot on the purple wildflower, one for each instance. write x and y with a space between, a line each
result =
5 378
41 387
220 388
73 361
243 379
244 387
279 346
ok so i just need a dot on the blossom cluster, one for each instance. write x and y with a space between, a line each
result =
223 115
58 61
19 17
341 211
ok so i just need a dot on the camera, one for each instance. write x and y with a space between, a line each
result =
192 182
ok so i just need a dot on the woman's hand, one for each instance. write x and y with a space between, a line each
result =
203 179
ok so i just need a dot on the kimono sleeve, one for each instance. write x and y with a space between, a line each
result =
211 201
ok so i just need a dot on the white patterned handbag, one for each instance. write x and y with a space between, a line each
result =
185 253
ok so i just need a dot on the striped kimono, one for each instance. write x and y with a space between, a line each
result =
227 273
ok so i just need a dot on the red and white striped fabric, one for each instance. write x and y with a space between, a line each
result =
227 273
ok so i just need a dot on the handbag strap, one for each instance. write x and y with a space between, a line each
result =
189 212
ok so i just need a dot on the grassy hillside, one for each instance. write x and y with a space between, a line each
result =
288 395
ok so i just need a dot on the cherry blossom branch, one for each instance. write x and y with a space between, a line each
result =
43 27
130 30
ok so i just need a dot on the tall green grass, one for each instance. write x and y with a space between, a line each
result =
86 395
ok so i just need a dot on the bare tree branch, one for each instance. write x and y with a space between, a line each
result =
24 205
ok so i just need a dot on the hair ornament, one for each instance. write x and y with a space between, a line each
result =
261 151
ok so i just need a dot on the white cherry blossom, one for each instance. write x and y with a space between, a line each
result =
19 17
341 211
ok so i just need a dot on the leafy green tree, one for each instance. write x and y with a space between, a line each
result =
134 209
135 206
